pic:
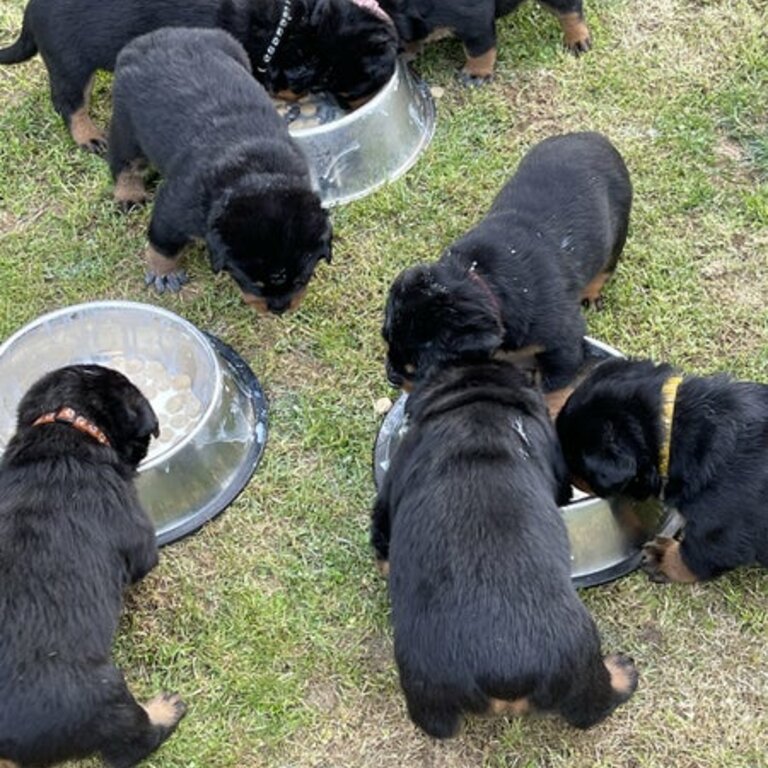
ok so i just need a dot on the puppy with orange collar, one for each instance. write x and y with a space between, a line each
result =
699 443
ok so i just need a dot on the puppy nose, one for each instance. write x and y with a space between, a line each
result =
395 379
278 306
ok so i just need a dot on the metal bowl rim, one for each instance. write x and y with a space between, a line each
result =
96 306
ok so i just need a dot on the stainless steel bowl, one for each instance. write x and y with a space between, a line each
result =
356 154
197 473
606 535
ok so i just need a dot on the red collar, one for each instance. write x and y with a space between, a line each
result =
493 300
70 416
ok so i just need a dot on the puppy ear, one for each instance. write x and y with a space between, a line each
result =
141 416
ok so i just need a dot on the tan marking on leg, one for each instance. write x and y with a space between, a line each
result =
592 294
259 303
382 566
557 399
83 129
407 386
575 32
8 764
623 675
129 185
481 66
161 265
663 557
297 299
516 707
166 709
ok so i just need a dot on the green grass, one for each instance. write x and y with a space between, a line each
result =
271 620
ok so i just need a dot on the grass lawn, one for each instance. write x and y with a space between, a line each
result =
271 621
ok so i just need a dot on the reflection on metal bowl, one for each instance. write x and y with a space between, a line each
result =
354 155
606 535
210 450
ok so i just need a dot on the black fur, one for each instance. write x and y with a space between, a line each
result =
611 432
329 45
558 222
184 99
472 21
479 569
72 536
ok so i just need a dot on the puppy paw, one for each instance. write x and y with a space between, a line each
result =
578 46
472 81
623 673
166 709
598 303
663 563
168 283
96 145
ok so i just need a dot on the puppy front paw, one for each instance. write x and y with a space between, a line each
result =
170 282
166 709
578 46
469 80
96 145
663 563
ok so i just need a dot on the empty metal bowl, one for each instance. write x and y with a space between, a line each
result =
606 535
211 437
354 155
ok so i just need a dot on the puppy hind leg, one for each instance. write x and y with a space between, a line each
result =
439 720
71 95
139 730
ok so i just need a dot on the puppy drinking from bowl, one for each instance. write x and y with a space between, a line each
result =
514 284
345 47
184 101
467 526
73 535
698 443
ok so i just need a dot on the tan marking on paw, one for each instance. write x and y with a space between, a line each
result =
516 707
129 185
557 399
83 129
623 675
166 709
481 66
575 32
662 556
257 302
159 264
592 292
382 566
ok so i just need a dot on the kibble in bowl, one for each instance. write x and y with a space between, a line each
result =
210 406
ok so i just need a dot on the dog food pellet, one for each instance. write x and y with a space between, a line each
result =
176 405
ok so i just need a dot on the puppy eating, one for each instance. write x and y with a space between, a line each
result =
700 443
474 23
184 100
514 284
72 536
467 525
340 46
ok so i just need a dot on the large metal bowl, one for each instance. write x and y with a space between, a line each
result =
606 535
186 481
377 143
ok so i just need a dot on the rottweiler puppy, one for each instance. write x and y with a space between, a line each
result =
474 23
185 101
514 283
467 526
295 46
73 535
700 443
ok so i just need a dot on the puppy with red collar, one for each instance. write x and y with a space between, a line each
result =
700 443
73 535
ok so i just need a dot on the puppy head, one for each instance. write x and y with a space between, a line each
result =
103 396
359 49
433 319
608 429
270 243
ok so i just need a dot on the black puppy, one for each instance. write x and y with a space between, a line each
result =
184 100
485 616
701 444
73 535
294 45
474 23
515 282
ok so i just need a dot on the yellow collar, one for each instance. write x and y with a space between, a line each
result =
668 397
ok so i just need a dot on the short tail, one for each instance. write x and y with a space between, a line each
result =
24 48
